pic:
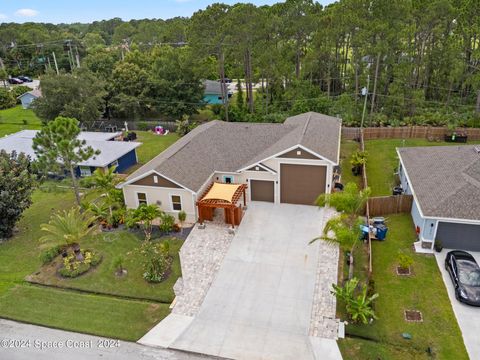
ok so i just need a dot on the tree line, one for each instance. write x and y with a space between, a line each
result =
414 62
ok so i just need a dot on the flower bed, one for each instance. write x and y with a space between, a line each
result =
74 265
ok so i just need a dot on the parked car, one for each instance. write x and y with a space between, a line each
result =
15 81
226 80
25 78
465 274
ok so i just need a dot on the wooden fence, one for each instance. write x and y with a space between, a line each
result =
406 132
383 205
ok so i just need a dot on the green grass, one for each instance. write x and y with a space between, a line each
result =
424 291
71 310
103 279
347 148
93 314
12 120
152 145
382 161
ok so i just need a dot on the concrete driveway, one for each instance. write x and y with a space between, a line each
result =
260 303
468 317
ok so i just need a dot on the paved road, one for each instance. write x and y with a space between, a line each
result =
260 303
468 317
26 343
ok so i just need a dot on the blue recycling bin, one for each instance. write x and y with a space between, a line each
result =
381 232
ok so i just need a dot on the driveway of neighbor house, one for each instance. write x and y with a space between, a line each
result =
269 292
468 317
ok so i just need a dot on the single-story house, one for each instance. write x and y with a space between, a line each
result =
121 154
445 184
213 92
291 162
28 97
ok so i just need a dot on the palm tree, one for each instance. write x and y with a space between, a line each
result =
68 227
344 228
145 215
106 181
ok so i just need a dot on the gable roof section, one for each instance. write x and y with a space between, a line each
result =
228 147
36 93
445 180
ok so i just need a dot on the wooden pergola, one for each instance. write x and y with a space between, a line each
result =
224 196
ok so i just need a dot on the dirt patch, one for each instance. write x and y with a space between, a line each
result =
413 316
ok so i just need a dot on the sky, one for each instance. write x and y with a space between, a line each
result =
63 11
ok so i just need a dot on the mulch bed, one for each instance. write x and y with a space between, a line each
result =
413 316
403 271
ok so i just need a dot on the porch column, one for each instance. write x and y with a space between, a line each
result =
232 214
244 198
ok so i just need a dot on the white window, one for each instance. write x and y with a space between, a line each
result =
176 202
85 171
155 179
141 199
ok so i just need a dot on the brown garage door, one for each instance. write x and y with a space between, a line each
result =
301 184
262 190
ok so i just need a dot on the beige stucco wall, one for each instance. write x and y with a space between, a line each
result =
162 198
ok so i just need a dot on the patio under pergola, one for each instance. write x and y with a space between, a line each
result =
224 196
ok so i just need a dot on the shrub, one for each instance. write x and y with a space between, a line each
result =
156 262
47 255
143 126
404 260
118 263
167 223
7 100
73 267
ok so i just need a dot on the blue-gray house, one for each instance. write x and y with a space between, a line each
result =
121 154
28 97
213 92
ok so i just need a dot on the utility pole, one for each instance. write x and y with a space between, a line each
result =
55 61
77 56
365 102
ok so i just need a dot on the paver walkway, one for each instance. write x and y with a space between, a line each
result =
200 256
260 305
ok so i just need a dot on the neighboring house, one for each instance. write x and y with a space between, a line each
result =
28 97
445 184
280 163
121 154
213 92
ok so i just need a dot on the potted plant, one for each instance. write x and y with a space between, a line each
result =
438 246
359 158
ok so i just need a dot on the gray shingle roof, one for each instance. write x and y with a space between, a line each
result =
445 180
110 151
228 147
213 87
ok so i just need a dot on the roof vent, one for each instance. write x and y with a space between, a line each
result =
477 149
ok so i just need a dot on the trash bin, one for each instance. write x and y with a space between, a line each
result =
381 232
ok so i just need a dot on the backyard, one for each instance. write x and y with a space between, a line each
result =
17 119
383 161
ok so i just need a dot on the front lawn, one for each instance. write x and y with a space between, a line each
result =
16 119
383 161
87 313
423 291
69 309
102 279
